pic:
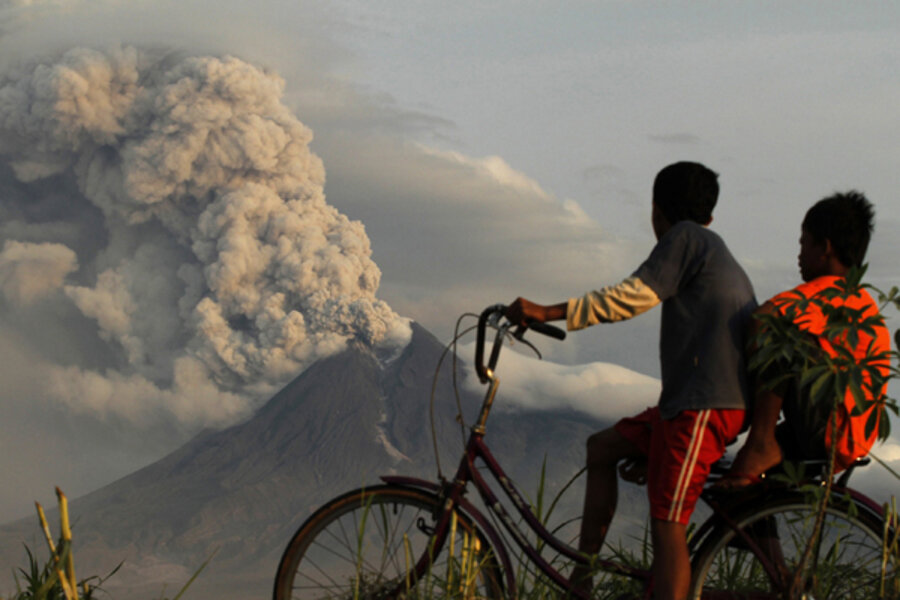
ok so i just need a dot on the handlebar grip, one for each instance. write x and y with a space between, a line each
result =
548 330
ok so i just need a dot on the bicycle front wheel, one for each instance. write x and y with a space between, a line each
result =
847 564
366 544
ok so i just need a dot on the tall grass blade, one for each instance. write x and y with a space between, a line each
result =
66 531
193 577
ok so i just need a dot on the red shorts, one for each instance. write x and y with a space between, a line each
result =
680 452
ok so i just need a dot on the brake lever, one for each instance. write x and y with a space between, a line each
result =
533 348
519 334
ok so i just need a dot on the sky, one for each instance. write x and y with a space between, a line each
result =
439 157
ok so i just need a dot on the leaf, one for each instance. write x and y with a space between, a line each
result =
855 276
853 338
872 421
821 387
884 427
891 404
811 374
792 473
859 396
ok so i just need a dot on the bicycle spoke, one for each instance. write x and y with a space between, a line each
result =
315 583
394 538
344 535
328 550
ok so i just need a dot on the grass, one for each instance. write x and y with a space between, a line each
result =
460 577
55 579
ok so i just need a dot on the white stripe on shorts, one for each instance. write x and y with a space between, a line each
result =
687 467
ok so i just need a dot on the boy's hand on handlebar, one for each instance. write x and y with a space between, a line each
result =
522 312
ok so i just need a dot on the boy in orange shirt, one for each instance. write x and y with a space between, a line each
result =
834 238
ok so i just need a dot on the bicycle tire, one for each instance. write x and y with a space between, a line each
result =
366 543
848 560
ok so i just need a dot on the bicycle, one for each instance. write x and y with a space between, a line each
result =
409 537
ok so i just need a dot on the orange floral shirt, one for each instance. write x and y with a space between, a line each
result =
852 439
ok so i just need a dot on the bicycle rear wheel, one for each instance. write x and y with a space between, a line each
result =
366 543
846 565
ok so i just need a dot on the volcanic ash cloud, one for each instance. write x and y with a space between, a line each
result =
175 203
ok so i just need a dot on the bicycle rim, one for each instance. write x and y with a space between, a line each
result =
846 565
366 543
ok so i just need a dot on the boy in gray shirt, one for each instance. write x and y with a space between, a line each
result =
707 300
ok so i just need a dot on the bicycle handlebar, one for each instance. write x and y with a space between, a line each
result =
548 330
492 315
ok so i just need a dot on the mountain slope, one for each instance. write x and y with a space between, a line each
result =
241 492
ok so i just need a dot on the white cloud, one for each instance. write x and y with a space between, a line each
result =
495 168
601 390
889 452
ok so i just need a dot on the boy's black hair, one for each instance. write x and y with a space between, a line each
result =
847 219
686 191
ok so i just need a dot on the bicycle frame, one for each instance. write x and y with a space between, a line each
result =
467 472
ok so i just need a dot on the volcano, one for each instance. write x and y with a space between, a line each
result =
240 493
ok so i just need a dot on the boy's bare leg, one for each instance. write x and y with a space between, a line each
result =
604 451
761 451
671 562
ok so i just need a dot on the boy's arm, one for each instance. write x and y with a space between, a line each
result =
613 303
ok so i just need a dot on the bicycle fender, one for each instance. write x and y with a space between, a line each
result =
410 482
475 515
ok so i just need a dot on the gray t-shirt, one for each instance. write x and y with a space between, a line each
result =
707 302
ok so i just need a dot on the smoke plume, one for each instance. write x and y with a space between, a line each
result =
173 203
